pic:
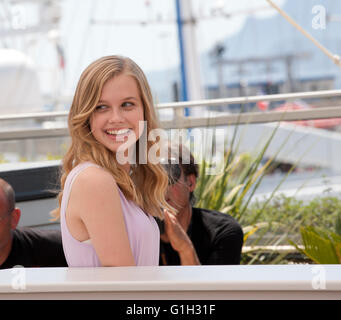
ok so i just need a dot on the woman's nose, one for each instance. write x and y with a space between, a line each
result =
116 115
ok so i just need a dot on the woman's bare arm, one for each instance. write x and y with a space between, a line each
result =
96 201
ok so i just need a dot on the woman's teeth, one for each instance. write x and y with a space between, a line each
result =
118 132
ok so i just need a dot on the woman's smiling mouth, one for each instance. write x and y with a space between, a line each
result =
118 132
119 135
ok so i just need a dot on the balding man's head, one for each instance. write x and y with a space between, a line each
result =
7 197
9 219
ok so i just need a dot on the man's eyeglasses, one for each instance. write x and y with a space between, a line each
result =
174 172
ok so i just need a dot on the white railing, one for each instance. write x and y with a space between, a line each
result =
179 121
293 282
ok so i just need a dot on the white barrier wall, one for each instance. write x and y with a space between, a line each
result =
174 282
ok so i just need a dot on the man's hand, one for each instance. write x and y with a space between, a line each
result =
179 240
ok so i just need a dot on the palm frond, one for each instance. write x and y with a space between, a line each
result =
319 246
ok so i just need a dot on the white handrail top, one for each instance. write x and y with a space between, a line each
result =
173 278
193 103
13 166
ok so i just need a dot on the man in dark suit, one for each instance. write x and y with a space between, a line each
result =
27 247
195 235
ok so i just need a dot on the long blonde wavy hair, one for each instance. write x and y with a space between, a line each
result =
150 178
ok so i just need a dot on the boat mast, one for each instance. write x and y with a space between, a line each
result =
189 63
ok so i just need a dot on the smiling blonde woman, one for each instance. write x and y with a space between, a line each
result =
106 208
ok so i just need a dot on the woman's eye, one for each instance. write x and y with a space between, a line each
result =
101 107
127 104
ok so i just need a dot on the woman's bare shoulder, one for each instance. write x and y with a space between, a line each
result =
94 174
93 180
94 190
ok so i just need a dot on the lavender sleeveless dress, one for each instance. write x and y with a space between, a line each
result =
143 232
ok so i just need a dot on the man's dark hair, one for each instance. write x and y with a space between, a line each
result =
9 194
188 166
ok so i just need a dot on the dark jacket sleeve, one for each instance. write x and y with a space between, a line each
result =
217 237
227 247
